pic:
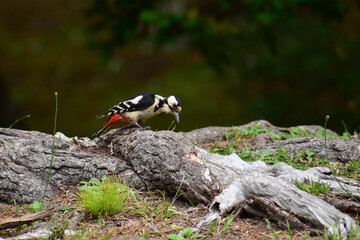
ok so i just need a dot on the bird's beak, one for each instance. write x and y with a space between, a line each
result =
176 115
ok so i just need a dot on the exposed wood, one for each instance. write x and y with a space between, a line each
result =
12 222
263 206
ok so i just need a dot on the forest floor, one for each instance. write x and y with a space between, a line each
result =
127 225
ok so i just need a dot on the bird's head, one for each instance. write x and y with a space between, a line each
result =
173 106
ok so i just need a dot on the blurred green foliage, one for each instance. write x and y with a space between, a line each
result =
230 62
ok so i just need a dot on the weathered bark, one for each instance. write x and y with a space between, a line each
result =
25 159
160 160
238 181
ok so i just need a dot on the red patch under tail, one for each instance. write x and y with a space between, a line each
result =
117 118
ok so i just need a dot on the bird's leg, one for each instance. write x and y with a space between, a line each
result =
143 126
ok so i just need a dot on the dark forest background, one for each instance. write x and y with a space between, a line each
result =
230 62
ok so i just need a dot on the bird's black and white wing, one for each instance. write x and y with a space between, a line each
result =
137 102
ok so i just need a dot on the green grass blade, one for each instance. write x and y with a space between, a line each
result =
18 120
54 149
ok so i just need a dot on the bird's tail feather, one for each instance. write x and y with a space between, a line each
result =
101 130
102 115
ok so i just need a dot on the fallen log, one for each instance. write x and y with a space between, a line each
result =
159 160
25 159
162 158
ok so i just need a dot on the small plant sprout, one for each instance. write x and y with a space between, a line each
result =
188 234
354 233
36 206
227 223
18 120
19 212
255 130
58 230
275 236
154 209
216 227
252 131
172 126
144 235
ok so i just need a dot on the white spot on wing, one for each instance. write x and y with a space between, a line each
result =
159 97
135 100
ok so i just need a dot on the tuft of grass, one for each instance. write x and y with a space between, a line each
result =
223 151
227 223
79 235
237 133
354 234
153 209
18 211
172 126
216 227
349 170
300 161
144 235
295 132
230 146
58 231
253 131
316 188
103 198
332 171
275 236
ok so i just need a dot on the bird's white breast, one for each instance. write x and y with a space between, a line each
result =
144 114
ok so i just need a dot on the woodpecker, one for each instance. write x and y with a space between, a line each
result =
138 108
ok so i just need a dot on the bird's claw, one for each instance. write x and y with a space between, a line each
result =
147 128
